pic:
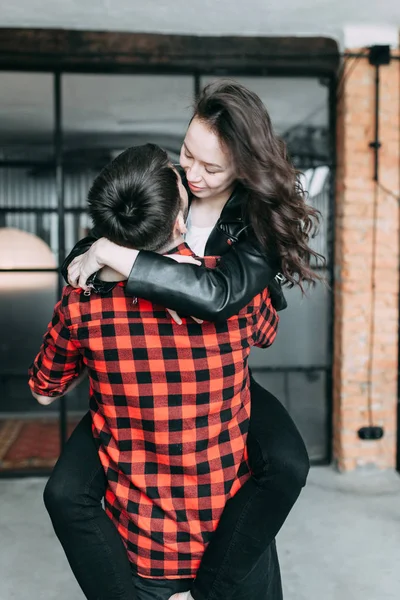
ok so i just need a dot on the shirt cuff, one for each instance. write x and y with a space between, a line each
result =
49 393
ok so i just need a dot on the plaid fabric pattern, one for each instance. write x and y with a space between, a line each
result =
170 406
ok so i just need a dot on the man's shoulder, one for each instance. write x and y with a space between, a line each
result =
264 298
211 262
257 304
70 294
80 307
70 302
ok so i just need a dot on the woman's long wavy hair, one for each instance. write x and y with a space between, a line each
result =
276 208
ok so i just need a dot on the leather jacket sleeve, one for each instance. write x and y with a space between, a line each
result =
209 294
212 295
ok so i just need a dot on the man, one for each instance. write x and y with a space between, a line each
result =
170 405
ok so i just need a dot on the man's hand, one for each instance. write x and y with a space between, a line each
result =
182 596
181 258
44 400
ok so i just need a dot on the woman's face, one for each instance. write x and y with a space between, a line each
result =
207 164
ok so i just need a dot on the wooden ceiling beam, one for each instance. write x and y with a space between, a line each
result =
52 49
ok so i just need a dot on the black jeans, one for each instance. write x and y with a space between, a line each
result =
239 563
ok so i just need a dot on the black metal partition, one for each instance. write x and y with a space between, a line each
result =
46 167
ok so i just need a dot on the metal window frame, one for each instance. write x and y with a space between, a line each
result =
330 76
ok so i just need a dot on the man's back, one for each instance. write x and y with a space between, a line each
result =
170 406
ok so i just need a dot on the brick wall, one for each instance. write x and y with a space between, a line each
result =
360 322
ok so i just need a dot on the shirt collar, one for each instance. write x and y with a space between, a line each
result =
182 248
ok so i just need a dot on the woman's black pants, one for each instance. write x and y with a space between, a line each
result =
240 562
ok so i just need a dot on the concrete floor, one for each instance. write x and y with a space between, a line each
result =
341 542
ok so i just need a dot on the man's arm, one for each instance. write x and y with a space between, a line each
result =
58 367
46 400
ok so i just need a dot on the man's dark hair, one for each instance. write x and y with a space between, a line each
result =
135 199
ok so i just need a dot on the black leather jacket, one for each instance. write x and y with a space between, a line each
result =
210 294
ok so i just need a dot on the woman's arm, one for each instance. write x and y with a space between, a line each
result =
209 294
117 261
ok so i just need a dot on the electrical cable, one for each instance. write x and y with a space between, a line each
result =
388 192
346 74
373 306
372 326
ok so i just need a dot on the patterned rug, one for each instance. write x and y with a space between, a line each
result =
30 444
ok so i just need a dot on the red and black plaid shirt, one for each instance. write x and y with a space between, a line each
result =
170 406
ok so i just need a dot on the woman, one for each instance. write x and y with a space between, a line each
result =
247 207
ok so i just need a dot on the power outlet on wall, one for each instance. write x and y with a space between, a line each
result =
370 433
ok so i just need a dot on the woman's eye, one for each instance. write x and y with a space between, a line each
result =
211 172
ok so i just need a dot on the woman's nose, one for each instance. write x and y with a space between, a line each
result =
193 174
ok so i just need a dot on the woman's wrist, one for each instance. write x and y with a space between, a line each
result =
116 257
103 248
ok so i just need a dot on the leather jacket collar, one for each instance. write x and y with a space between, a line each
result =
234 209
230 225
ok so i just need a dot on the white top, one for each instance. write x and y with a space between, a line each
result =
196 237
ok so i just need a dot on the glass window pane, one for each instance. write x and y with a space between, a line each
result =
112 112
29 432
304 396
26 306
290 101
27 176
26 108
28 239
303 329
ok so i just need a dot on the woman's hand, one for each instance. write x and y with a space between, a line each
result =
181 258
177 318
84 265
182 596
102 253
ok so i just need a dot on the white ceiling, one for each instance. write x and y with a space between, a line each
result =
203 17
